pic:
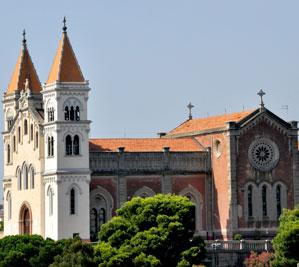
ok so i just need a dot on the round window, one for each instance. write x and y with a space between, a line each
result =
263 154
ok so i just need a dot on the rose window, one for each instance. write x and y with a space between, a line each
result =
263 154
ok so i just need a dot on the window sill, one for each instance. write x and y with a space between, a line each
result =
73 156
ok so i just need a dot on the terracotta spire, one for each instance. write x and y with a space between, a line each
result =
24 74
65 67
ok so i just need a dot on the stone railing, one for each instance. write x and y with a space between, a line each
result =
149 162
238 246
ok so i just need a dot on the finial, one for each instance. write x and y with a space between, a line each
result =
261 93
24 38
190 107
64 25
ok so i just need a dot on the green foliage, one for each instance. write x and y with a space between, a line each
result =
237 237
286 242
1 226
27 251
154 231
75 254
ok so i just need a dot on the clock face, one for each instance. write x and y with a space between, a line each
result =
263 154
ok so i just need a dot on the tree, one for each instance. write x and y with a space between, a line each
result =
75 254
154 231
286 242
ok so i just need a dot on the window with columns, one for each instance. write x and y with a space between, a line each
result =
25 127
72 145
72 113
50 146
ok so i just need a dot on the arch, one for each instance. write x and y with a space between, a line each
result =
25 127
19 177
36 139
68 145
9 205
250 201
77 113
50 194
14 143
31 132
265 199
31 172
76 145
94 228
66 113
73 201
25 219
196 198
102 192
19 134
9 118
8 154
25 176
72 113
144 191
279 196
101 206
73 192
52 146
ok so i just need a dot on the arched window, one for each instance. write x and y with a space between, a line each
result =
31 132
68 145
77 113
66 113
8 154
25 127
278 200
49 146
76 145
264 200
50 200
14 143
93 224
51 114
52 146
72 113
249 200
8 199
25 176
31 178
36 140
72 201
102 216
19 134
19 175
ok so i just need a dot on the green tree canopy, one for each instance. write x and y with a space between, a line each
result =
286 242
154 231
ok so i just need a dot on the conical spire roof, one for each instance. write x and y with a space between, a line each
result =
65 67
24 74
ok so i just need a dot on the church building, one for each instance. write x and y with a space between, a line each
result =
240 169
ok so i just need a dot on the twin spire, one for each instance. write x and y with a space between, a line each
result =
65 67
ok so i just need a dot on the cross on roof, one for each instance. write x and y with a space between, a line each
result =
261 93
190 107
24 37
64 24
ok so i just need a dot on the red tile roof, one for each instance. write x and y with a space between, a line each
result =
208 123
65 67
24 69
144 144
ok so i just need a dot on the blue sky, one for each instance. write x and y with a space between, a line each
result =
146 60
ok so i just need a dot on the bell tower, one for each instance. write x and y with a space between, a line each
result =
66 133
